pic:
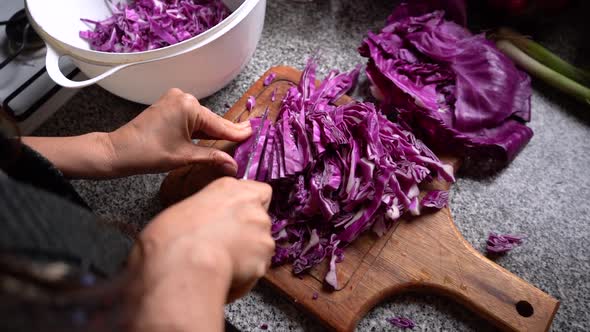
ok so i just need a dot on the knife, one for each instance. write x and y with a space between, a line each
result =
255 144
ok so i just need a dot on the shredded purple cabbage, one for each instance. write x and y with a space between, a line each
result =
401 322
437 199
336 171
144 25
269 79
503 243
456 90
264 326
250 103
315 296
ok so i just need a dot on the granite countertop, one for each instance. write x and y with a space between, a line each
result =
544 193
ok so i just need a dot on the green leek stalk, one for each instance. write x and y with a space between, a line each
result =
542 72
544 56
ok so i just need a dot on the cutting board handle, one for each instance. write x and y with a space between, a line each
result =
455 269
493 291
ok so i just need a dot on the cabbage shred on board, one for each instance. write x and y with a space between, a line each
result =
144 25
336 171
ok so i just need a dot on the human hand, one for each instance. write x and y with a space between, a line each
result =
200 253
160 138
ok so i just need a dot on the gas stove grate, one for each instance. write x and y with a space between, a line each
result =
29 111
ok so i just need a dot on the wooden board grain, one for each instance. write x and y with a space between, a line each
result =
425 254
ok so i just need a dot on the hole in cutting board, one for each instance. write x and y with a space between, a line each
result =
525 309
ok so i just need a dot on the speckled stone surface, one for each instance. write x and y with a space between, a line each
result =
544 193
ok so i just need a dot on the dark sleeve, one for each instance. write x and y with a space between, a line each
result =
39 227
30 167
41 224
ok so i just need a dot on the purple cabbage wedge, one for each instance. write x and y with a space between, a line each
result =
455 10
456 90
144 25
336 171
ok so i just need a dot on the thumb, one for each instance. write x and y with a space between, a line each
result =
213 158
216 127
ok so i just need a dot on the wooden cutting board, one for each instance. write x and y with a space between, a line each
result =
425 254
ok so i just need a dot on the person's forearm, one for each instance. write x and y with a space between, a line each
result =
79 157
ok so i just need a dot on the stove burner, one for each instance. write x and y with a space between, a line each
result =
19 31
21 36
27 93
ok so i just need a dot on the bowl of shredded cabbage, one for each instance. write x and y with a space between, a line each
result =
138 49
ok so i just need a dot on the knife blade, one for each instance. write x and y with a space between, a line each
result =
255 144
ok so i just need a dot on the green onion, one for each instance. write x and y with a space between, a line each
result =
543 55
542 72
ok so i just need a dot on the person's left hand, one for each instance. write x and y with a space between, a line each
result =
160 138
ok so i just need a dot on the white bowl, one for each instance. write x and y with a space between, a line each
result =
201 65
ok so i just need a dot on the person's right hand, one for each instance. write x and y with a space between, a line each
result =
200 253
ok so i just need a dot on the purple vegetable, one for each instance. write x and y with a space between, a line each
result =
273 95
250 103
455 10
315 296
264 326
269 79
401 322
435 199
500 244
144 25
456 90
336 171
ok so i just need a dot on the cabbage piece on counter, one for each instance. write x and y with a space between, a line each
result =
503 243
336 171
456 91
